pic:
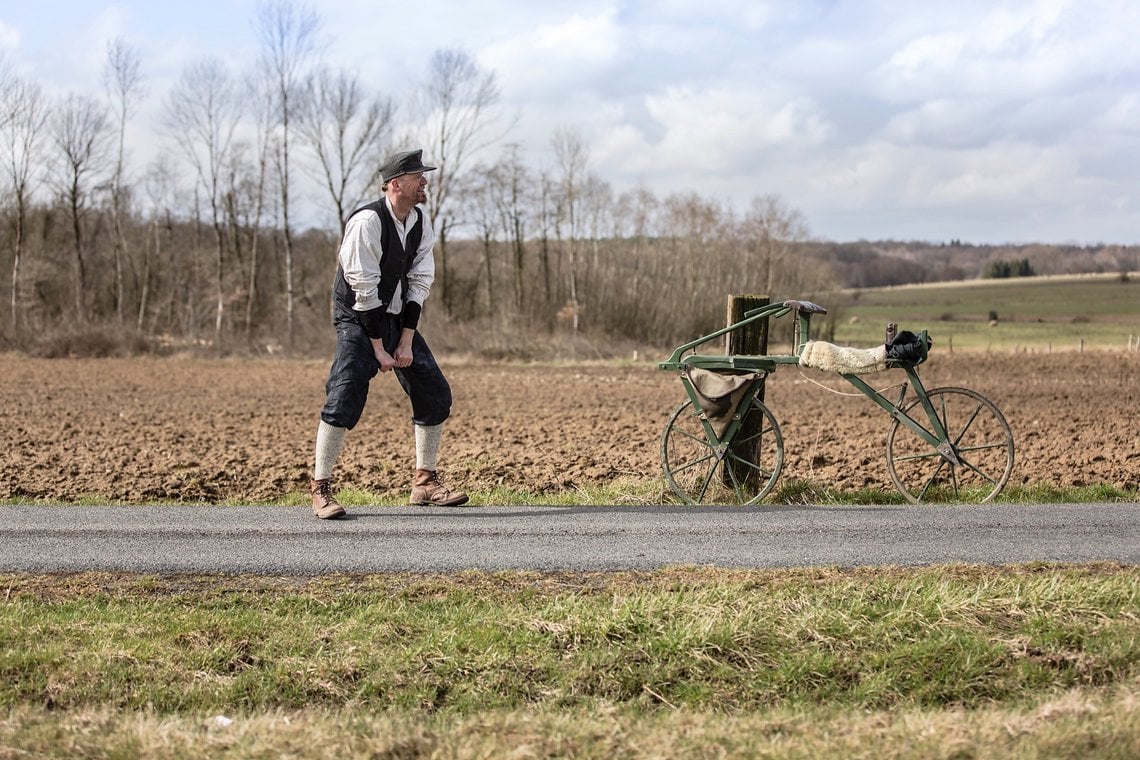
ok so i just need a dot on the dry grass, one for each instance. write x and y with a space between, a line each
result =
1076 724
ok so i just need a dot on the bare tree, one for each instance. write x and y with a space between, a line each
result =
771 228
124 85
512 199
497 197
261 102
8 86
201 115
481 197
456 107
288 35
547 221
346 130
80 132
572 157
695 255
23 116
635 214
597 207
161 186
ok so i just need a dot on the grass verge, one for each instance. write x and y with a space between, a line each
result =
792 491
1036 659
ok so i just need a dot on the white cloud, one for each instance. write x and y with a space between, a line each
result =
922 178
749 16
90 51
943 122
714 130
1123 115
579 38
9 37
1001 192
1015 50
543 62
1015 173
877 118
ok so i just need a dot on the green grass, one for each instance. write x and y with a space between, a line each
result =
632 492
593 665
1039 313
700 639
788 491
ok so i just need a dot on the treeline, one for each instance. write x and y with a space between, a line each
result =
639 269
868 264
1000 269
545 259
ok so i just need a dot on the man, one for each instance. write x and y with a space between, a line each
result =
385 274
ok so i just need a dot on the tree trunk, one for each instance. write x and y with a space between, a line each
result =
144 292
21 226
441 266
80 268
487 243
219 262
520 258
251 299
288 238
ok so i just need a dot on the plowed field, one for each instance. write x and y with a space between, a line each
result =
177 429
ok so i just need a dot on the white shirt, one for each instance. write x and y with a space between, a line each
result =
361 251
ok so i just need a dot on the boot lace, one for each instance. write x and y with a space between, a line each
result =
324 491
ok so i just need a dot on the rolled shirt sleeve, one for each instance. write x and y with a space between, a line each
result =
359 255
422 274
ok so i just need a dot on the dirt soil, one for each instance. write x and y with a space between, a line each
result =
194 430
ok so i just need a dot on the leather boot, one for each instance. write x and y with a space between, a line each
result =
325 505
427 490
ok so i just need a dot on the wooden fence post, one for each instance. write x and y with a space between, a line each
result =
750 340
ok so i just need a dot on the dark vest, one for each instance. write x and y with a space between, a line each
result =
394 264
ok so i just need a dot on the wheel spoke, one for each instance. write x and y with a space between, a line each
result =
705 486
693 463
966 427
746 463
737 486
932 454
698 439
981 473
933 477
976 433
741 469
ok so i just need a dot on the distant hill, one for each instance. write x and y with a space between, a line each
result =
869 264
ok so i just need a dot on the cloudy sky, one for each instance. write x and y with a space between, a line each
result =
990 122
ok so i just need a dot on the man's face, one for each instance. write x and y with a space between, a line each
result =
412 187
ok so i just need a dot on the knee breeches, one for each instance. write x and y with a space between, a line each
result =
354 365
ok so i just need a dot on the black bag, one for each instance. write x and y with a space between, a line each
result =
908 348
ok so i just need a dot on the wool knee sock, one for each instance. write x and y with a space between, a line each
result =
329 441
427 445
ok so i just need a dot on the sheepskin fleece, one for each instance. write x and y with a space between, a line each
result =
829 357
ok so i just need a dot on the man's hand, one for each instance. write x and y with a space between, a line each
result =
383 357
403 357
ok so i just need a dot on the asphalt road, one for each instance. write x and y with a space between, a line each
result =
290 541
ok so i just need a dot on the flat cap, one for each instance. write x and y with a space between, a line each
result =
407 162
